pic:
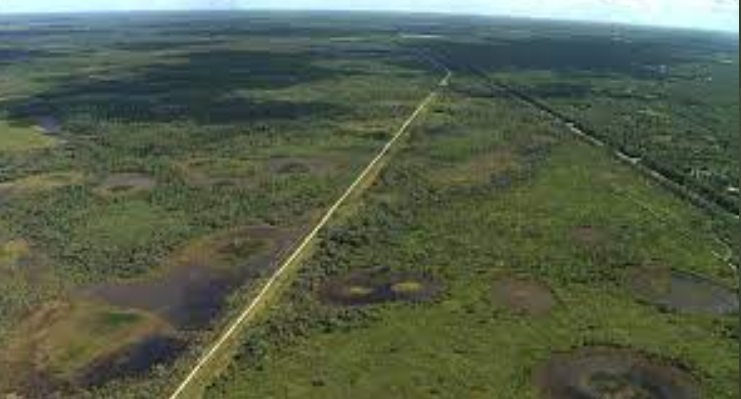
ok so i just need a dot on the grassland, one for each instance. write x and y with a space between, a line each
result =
22 139
67 337
191 151
527 222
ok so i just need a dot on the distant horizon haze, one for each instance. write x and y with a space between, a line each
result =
719 15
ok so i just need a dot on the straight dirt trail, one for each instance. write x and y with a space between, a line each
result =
290 262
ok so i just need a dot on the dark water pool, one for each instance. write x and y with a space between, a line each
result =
191 296
133 361
49 124
683 292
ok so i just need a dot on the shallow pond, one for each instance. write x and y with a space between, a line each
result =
191 295
376 286
680 291
133 361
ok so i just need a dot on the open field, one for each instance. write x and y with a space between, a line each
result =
22 139
156 171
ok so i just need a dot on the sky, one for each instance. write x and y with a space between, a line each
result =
703 14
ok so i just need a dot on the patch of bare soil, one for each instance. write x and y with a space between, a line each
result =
379 285
606 373
680 291
5 193
589 235
218 172
126 183
500 168
23 382
14 254
230 248
57 338
524 296
299 165
19 372
18 258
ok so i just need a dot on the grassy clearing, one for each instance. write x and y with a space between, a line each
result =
125 184
62 338
42 182
407 287
205 171
14 139
232 248
481 170
11 252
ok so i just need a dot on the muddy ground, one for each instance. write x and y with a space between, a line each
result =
524 296
126 183
609 373
682 292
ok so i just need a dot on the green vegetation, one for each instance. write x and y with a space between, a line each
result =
185 154
11 252
63 338
407 287
667 99
22 139
170 146
527 222
358 290
230 248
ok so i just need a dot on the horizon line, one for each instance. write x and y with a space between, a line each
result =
371 11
